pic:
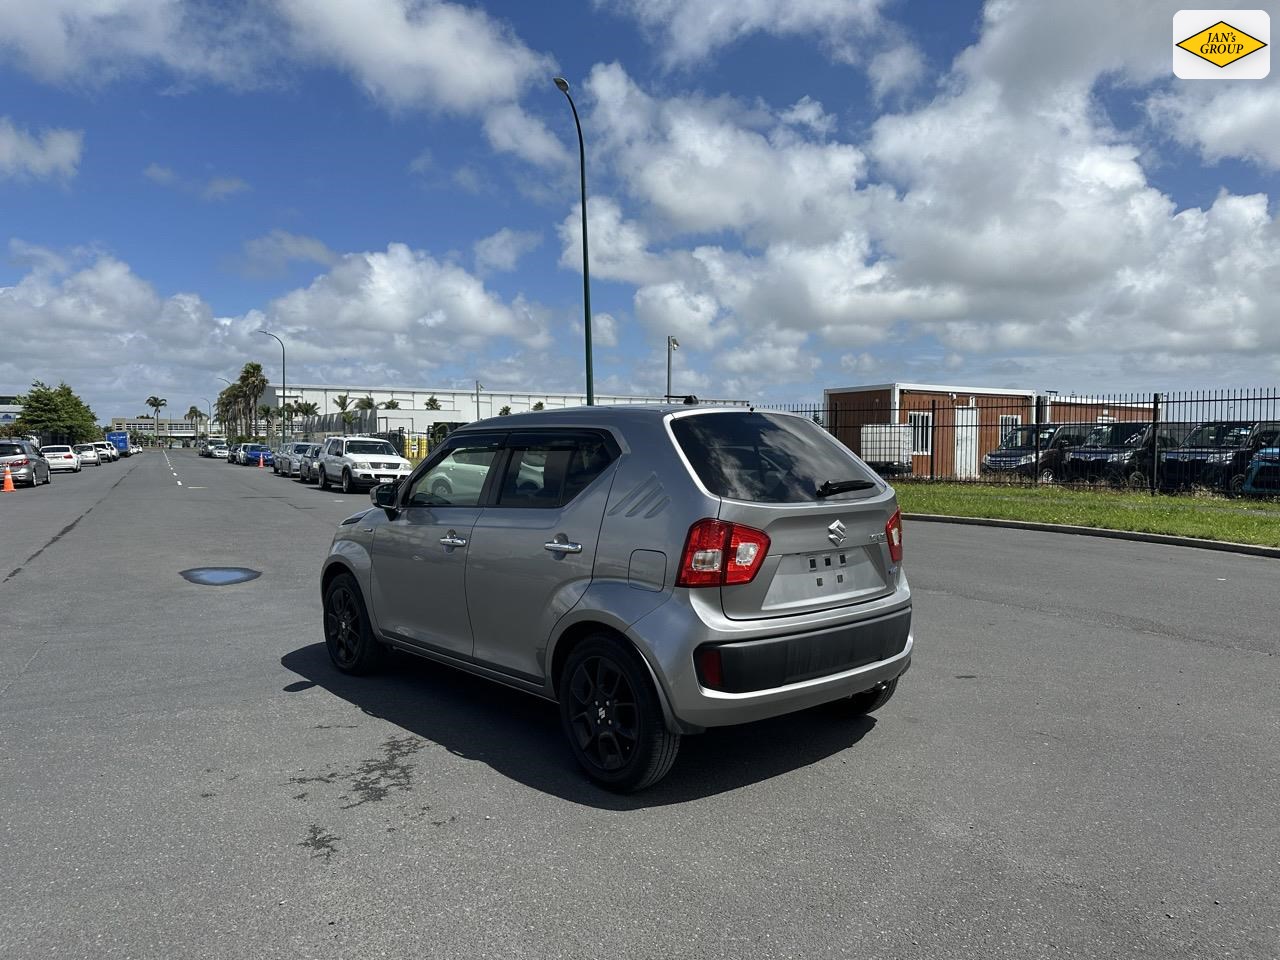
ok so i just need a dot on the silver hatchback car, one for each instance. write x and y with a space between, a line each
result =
656 570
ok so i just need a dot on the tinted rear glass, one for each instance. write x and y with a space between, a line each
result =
11 450
1221 434
765 457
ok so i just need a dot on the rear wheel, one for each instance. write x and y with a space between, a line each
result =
612 718
324 482
347 634
1236 485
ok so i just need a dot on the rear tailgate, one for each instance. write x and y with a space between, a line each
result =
767 469
820 556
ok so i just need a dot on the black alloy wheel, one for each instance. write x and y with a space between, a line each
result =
612 717
347 633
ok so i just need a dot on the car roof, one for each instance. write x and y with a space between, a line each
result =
608 415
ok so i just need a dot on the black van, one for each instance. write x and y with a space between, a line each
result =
1016 455
1122 452
1217 454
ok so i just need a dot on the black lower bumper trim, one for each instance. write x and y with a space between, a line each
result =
763 664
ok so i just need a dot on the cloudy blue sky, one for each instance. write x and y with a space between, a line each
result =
808 193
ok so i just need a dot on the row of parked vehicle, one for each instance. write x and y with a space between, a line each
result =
30 464
1232 456
348 463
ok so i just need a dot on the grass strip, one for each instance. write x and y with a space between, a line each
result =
1197 515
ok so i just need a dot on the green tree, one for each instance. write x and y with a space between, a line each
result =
343 402
254 384
155 403
431 403
392 404
504 412
538 406
267 413
56 413
365 405
307 410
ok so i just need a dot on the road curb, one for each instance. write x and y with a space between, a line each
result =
1224 546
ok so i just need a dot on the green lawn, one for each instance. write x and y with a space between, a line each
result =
1208 517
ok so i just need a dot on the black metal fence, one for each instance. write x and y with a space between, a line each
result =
1224 440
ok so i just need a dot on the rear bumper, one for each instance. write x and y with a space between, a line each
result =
64 465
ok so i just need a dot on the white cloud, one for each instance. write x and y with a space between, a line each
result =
511 130
894 71
61 40
408 53
503 250
213 189
687 31
50 153
270 255
808 112
1222 120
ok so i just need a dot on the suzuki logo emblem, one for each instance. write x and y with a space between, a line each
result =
836 535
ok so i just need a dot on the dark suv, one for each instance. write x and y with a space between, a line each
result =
1122 452
1217 454
1016 456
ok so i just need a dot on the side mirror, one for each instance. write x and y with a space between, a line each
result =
384 497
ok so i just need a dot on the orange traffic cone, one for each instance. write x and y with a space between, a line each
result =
8 480
260 463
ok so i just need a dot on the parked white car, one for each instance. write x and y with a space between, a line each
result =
355 462
88 454
62 457
107 452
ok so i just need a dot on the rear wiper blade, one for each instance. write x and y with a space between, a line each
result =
843 486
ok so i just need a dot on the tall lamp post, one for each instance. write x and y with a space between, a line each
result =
672 345
210 405
563 86
284 382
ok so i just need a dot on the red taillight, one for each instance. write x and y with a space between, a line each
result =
710 668
893 536
718 553
19 463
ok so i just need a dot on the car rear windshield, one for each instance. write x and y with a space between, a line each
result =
1116 435
366 447
56 449
11 450
1222 434
765 457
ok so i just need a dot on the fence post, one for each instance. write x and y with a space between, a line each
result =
933 439
1035 464
1155 443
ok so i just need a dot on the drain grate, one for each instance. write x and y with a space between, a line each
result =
219 576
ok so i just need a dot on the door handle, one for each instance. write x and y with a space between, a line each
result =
453 540
561 546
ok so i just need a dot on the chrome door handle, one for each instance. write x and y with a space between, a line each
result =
560 546
453 540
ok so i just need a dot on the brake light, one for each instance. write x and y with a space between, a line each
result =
893 536
721 554
19 463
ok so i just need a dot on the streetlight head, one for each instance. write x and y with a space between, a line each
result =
562 84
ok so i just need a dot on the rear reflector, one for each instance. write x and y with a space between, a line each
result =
710 668
718 553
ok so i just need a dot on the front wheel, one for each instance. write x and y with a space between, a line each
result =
346 481
1046 476
612 718
324 481
347 634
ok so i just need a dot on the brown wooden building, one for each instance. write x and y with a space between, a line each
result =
951 428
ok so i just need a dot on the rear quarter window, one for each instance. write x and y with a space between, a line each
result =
767 457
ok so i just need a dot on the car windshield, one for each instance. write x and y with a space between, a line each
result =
1225 433
1116 435
767 458
1024 438
11 450
366 447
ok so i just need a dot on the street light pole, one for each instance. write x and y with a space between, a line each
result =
672 345
563 86
210 403
284 383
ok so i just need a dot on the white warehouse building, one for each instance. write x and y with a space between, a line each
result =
411 412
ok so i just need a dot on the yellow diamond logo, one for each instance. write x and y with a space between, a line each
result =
1221 44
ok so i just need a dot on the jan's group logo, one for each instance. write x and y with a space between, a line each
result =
1221 44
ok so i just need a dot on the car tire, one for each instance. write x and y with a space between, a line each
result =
441 489
869 701
1236 485
612 718
1137 480
346 481
323 480
1046 476
347 634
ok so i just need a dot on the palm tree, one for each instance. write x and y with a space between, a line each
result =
342 402
254 382
504 412
431 403
193 417
267 413
538 406
390 404
309 409
155 403
364 405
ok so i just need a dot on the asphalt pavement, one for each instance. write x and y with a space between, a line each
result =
1084 761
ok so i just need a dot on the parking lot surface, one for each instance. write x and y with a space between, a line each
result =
1084 761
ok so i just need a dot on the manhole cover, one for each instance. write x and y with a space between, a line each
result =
219 576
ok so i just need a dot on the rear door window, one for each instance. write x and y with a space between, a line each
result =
767 457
